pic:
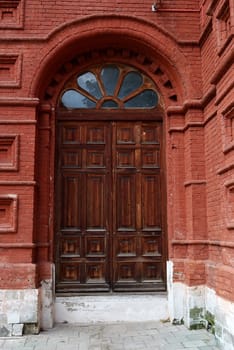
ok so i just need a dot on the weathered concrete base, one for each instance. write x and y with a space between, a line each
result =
111 308
199 307
18 308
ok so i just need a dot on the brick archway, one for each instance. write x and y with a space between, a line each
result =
133 51
122 34
147 63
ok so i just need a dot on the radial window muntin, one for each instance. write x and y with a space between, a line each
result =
110 86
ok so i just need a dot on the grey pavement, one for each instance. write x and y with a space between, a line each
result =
117 336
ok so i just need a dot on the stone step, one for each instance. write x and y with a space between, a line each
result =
111 308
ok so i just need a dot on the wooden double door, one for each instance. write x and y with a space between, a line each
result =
109 233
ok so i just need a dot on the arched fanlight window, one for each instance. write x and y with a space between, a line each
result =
110 87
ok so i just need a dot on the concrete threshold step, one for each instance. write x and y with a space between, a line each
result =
111 308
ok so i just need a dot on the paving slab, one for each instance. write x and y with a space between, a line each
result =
114 336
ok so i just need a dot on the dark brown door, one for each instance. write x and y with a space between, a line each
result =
109 207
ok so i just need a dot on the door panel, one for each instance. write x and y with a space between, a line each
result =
71 210
137 231
96 201
151 193
83 206
126 203
109 207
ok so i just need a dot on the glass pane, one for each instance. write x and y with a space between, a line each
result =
110 76
88 82
110 104
131 82
147 99
73 99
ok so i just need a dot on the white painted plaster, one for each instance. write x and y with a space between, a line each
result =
111 308
181 299
13 317
19 306
194 300
223 311
170 289
176 295
46 304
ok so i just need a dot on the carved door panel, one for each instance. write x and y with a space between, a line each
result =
84 207
137 225
109 227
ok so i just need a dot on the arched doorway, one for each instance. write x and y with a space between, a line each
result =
110 196
75 50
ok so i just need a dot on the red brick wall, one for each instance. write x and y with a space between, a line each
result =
43 17
217 71
17 194
185 39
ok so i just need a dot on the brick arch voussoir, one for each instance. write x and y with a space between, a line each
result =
125 39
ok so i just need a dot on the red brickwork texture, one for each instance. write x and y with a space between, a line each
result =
187 48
